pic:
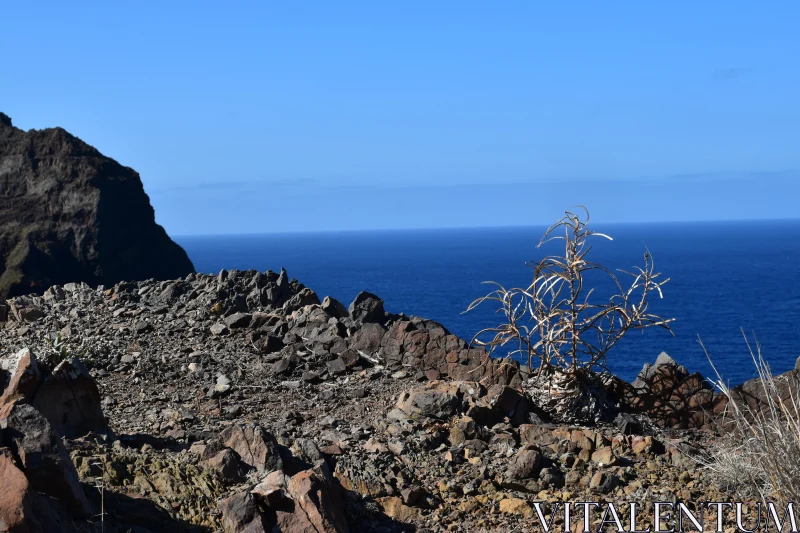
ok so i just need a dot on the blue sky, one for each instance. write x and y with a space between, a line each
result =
251 117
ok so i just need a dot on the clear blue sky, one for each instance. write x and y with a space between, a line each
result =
248 117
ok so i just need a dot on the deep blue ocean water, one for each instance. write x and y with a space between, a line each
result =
725 276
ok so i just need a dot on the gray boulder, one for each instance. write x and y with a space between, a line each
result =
366 307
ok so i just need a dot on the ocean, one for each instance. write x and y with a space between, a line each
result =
725 277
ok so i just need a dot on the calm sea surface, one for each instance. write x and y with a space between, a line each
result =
725 277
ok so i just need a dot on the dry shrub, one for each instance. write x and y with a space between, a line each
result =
759 456
557 321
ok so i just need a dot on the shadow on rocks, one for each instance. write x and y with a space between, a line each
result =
124 513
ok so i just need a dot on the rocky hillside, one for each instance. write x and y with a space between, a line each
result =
70 214
243 402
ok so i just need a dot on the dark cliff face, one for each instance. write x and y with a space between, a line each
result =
70 214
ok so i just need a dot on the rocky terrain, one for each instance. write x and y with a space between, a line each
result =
242 402
68 213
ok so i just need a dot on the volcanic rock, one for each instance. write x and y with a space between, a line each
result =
43 457
664 369
366 307
525 464
22 510
23 376
334 307
69 399
255 447
70 214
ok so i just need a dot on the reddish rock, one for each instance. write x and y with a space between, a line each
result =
24 375
415 342
42 456
254 445
16 513
306 502
26 308
331 449
320 506
432 375
350 358
434 358
605 457
226 464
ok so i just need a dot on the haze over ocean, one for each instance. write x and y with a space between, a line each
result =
725 276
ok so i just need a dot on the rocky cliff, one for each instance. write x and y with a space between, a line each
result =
70 214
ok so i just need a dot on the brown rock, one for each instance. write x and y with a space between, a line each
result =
367 338
584 443
43 457
524 465
226 464
639 445
463 428
375 446
350 358
317 506
254 445
272 488
331 449
538 435
395 508
605 456
502 442
16 513
517 506
24 310
499 403
604 482
23 510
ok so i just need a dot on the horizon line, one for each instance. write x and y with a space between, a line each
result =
452 228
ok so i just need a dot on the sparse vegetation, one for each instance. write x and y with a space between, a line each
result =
760 456
554 322
58 349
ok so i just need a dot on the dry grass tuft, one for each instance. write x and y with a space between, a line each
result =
760 453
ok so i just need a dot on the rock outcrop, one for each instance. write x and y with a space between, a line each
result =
244 402
63 392
70 214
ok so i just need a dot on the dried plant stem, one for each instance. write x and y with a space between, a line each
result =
554 321
760 455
